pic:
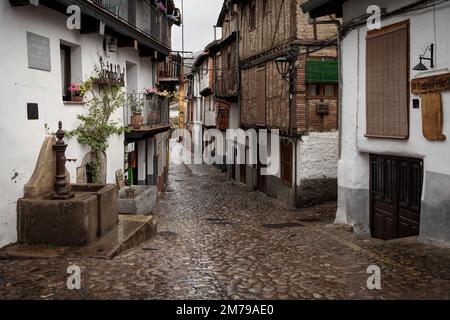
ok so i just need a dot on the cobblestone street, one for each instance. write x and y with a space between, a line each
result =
217 240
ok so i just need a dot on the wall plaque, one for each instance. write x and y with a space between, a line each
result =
431 84
38 52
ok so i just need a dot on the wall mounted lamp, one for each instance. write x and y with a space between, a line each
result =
284 66
420 66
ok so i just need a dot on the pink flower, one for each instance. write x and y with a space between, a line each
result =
151 90
74 87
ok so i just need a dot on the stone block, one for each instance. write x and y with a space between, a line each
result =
107 213
143 202
57 222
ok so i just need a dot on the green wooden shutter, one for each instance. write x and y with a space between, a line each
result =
322 71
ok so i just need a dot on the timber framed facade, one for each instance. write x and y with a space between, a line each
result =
305 110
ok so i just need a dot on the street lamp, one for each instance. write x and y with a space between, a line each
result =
284 67
420 66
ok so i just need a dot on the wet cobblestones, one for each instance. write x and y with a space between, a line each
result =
212 245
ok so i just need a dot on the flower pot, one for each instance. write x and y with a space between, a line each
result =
77 98
137 120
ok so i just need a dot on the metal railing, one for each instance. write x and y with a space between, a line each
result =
142 15
154 109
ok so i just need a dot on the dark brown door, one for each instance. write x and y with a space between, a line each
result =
261 179
395 195
261 96
243 173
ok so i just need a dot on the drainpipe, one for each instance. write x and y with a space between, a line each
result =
337 23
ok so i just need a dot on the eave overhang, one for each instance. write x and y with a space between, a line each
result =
113 23
320 8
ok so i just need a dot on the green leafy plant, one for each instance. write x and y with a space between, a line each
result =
135 102
96 125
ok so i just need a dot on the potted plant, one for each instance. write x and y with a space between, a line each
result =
161 8
136 104
76 92
150 92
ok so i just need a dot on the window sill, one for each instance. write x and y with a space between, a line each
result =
386 137
74 102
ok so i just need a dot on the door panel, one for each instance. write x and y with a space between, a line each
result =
261 96
395 196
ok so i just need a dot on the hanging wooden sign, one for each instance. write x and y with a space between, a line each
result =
432 120
431 84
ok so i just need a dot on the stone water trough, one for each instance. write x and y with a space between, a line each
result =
139 200
53 212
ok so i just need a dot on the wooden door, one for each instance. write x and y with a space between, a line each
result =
261 183
243 173
395 196
261 96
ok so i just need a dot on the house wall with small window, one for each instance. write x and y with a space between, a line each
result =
72 59
268 29
381 117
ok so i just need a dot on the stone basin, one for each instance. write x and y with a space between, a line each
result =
143 202
73 222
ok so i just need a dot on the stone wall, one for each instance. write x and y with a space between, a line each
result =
317 159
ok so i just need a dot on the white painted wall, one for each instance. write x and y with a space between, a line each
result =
22 138
353 169
317 156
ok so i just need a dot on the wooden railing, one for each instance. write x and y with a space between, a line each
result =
171 69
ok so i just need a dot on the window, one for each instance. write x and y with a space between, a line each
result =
65 72
322 91
70 68
265 7
252 15
387 82
286 161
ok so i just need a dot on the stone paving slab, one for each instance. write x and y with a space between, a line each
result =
213 244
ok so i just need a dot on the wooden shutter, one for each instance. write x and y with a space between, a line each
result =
261 96
387 82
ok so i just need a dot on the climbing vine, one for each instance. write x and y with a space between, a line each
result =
101 101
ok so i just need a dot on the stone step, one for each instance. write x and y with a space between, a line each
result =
131 231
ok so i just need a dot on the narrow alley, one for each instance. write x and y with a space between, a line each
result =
216 240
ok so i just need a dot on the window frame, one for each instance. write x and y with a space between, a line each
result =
252 15
67 76
322 94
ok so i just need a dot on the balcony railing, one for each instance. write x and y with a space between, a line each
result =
154 109
142 15
171 69
226 86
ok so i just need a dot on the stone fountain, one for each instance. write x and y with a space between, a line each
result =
55 212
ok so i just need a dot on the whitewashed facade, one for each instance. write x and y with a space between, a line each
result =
428 24
22 138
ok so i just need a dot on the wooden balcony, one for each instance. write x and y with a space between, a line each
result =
170 70
154 111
